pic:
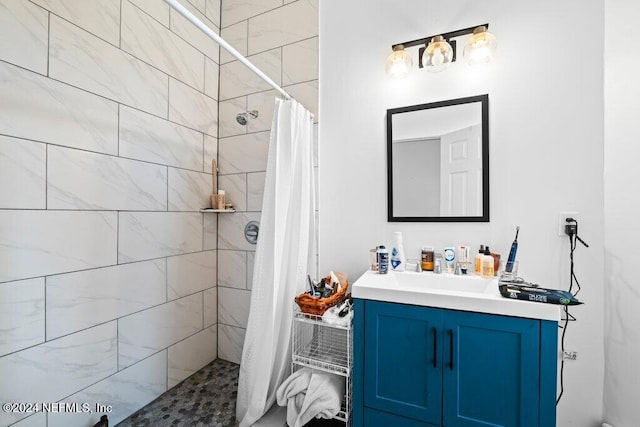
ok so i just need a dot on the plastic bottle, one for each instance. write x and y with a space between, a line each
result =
373 254
427 257
398 260
487 263
479 260
383 260
496 262
464 258
449 259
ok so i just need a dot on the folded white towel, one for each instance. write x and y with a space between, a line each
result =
308 393
292 391
323 397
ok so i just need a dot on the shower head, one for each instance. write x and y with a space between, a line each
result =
243 118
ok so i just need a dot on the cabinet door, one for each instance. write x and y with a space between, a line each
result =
403 357
491 370
373 418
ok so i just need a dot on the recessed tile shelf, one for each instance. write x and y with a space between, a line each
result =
209 210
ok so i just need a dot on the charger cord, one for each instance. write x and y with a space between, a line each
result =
571 229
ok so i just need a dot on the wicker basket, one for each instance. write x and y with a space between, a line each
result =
314 305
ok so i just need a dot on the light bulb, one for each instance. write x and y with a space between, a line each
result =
480 48
438 55
438 58
398 63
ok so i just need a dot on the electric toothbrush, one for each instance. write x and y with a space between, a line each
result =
512 254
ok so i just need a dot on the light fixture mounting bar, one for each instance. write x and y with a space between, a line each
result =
451 34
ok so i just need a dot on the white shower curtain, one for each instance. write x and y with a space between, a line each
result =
286 252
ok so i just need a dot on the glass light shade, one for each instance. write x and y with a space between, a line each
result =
480 48
438 55
399 63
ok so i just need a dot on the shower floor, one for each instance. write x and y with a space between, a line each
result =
205 399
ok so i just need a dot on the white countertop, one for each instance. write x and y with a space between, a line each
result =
467 293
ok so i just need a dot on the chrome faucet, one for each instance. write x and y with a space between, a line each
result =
458 269
410 261
437 263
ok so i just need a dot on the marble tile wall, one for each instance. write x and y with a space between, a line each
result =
55 112
191 354
126 391
29 24
51 371
80 180
281 38
25 162
147 332
81 59
108 125
80 300
21 314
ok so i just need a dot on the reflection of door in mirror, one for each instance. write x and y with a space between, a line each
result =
416 193
461 172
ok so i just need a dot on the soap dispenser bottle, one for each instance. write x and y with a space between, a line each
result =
479 260
487 263
398 260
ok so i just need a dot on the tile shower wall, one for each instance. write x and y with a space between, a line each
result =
108 124
281 38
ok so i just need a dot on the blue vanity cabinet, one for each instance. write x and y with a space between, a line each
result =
491 371
423 366
403 362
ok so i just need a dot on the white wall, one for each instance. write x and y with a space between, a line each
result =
546 145
621 175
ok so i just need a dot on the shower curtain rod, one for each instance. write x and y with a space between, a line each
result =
205 29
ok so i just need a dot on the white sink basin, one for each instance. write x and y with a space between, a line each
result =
466 292
443 282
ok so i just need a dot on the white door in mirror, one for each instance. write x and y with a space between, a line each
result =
461 172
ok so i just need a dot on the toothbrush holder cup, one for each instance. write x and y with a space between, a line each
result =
508 270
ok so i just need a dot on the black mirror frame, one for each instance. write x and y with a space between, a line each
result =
484 100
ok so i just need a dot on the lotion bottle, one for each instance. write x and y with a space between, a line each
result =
398 260
449 259
487 263
479 260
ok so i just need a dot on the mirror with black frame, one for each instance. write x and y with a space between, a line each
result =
438 161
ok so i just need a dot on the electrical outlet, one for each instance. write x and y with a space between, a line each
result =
570 355
562 217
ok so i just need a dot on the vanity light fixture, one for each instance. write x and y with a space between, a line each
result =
438 51
438 55
481 47
399 62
